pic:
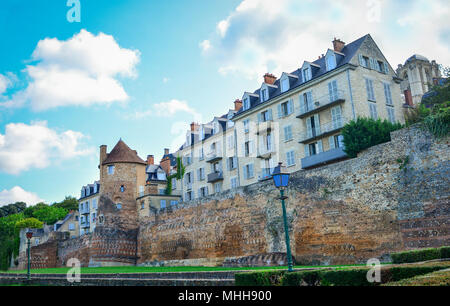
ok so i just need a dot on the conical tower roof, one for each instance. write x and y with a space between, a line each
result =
122 153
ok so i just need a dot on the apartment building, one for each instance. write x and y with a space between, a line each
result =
87 207
297 119
210 157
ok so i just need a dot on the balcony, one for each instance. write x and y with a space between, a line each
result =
266 152
265 127
84 211
323 158
213 156
188 186
85 224
323 130
215 177
266 174
322 103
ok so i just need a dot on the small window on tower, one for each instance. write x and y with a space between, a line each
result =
119 206
111 170
122 188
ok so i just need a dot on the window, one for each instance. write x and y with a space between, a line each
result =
230 142
142 205
174 183
373 110
364 61
232 163
246 103
201 154
203 192
94 203
217 187
387 93
122 188
285 109
369 90
246 125
119 206
391 113
201 174
36 241
285 84
333 91
306 103
336 141
162 204
288 133
71 227
248 148
336 117
314 148
313 126
306 74
216 127
173 203
161 191
290 158
265 116
111 170
234 182
141 190
248 171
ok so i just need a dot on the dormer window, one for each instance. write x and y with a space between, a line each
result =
264 94
215 127
331 61
285 84
246 103
307 74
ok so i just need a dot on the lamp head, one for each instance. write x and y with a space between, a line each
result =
29 234
280 176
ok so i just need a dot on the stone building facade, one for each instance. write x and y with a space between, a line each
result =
418 74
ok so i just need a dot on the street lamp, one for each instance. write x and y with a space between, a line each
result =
29 236
281 179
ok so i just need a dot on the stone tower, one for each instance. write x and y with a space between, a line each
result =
122 177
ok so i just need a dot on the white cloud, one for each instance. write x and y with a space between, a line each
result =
82 70
17 194
205 46
4 83
166 80
23 147
168 109
262 36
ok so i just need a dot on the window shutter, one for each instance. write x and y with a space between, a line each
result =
251 170
309 127
330 92
259 117
310 100
317 122
331 142
386 68
320 145
270 114
302 104
251 148
279 111
372 64
368 89
228 164
290 106
245 172
306 150
361 60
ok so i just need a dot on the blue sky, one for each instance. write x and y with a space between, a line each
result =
66 88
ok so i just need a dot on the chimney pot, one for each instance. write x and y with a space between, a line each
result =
338 45
194 126
166 151
237 104
150 160
269 78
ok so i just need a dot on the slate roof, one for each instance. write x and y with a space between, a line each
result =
349 51
122 153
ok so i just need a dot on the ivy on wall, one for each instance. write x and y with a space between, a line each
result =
181 169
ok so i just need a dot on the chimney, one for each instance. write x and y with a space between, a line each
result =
237 104
194 127
166 151
338 45
150 160
269 78
102 153
165 162
408 97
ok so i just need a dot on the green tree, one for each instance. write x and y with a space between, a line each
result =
10 209
69 203
50 214
365 133
29 223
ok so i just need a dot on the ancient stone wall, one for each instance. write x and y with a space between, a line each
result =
394 196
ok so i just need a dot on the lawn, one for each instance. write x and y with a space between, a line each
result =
134 269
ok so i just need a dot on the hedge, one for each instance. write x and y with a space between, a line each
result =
326 277
261 278
421 255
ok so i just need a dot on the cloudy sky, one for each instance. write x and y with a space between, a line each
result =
143 70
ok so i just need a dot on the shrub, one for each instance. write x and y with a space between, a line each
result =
417 255
445 252
352 277
365 133
399 273
305 278
261 278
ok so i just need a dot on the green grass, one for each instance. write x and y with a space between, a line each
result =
133 269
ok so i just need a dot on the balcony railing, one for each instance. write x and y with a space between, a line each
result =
265 126
85 224
213 156
84 210
321 103
323 158
215 177
188 186
266 174
266 152
323 130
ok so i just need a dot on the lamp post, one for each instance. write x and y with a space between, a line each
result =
281 179
29 236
